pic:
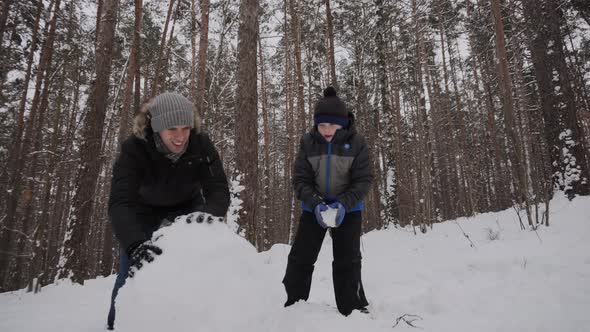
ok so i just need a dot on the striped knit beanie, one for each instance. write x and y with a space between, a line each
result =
170 110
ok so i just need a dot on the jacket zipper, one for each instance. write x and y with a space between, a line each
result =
328 170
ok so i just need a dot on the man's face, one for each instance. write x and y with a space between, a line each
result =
175 138
327 130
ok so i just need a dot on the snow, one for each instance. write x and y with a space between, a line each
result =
329 217
210 279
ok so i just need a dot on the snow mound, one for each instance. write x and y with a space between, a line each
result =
211 279
205 271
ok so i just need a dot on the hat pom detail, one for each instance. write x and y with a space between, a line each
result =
330 92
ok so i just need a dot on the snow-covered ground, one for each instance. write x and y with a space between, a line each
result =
210 279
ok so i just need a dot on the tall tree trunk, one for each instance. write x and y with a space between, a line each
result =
454 148
266 199
15 184
497 182
386 109
295 30
156 79
39 245
62 190
124 117
193 76
506 87
75 263
14 151
31 169
99 12
330 48
464 138
166 62
424 155
203 45
246 116
291 139
576 171
3 19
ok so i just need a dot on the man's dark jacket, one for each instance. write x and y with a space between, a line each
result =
147 187
336 171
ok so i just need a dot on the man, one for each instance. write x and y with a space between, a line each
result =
166 169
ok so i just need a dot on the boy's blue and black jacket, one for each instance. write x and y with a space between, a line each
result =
336 171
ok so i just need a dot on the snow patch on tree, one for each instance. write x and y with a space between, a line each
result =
569 172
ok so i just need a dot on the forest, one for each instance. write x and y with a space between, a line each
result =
468 106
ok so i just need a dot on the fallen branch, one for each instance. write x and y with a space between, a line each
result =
472 245
408 319
519 218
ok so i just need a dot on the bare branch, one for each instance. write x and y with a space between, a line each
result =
15 255
472 245
408 319
18 232
43 151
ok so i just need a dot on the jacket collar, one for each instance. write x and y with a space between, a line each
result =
157 155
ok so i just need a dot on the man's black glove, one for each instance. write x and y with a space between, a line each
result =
199 217
141 253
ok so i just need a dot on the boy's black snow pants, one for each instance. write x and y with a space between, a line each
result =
346 267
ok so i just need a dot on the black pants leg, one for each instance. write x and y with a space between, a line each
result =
302 258
346 267
119 282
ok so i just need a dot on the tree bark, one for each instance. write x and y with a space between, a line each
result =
3 19
193 76
506 87
166 62
291 139
156 79
15 184
125 119
424 155
331 57
203 45
246 116
266 221
14 151
296 35
76 265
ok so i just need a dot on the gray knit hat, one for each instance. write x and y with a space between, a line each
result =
171 109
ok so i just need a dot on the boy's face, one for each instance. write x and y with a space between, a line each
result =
327 130
175 138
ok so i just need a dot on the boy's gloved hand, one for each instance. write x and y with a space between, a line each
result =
140 254
340 214
318 214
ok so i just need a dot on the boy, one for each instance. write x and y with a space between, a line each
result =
331 171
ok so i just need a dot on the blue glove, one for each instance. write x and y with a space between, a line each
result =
340 214
318 214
